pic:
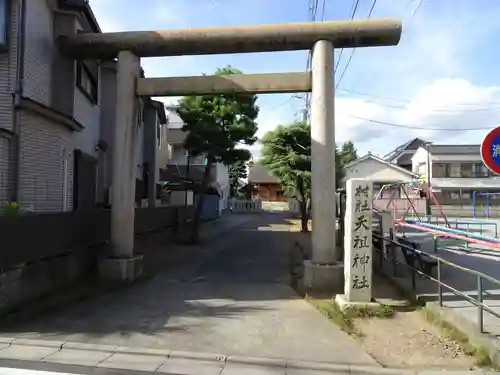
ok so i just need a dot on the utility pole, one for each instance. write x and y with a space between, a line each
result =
305 115
428 207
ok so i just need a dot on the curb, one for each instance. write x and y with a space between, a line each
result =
226 359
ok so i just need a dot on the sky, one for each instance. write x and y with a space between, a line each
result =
441 83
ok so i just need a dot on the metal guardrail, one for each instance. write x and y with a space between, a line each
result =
478 302
459 223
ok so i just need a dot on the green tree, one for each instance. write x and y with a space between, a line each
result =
237 172
345 154
348 152
286 152
215 125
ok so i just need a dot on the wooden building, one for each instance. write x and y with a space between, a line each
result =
266 187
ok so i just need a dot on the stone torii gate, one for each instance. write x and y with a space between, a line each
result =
324 268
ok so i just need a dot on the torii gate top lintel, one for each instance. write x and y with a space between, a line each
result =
238 39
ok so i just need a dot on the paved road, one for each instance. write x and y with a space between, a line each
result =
233 300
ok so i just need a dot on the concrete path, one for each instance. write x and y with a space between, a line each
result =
74 358
233 300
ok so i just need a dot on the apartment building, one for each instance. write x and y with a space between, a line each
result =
57 115
455 171
182 165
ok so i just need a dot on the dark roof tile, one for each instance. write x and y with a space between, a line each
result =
454 149
259 174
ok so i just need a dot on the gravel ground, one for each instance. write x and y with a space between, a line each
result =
409 340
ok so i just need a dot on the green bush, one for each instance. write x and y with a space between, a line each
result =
11 209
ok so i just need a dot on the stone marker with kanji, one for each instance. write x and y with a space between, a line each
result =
358 248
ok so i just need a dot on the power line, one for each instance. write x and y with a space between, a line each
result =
353 50
416 9
407 100
354 8
444 110
413 126
408 4
323 8
313 10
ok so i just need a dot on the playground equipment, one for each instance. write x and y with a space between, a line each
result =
420 189
438 232
472 225
456 231
487 195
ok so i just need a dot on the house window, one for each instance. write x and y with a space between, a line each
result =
4 23
87 79
479 170
438 170
422 168
466 195
455 195
455 170
467 170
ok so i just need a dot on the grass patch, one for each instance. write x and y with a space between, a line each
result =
345 319
330 309
480 353
382 312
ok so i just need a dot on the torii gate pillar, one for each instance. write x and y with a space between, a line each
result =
124 264
323 271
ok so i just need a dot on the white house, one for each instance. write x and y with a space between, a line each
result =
378 170
383 172
181 163
455 171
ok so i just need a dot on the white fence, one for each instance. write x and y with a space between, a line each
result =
245 206
293 206
275 206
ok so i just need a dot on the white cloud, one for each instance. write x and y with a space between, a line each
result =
444 105
435 67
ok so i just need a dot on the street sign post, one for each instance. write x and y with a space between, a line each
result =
490 150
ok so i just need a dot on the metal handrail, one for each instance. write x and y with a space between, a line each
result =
466 223
479 275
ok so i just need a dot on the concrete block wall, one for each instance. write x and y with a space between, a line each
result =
49 264
29 281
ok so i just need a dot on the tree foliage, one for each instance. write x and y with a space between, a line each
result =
237 172
216 125
348 153
345 154
286 152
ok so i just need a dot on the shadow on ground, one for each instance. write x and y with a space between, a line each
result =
240 264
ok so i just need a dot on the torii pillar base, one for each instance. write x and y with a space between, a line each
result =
121 269
323 277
